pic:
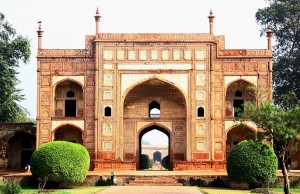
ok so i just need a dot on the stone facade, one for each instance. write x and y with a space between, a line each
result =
104 96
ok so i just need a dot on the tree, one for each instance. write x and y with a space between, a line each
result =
144 161
280 126
13 49
252 162
60 161
166 162
284 18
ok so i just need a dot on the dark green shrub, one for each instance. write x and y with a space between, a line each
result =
252 162
60 161
144 161
11 187
166 162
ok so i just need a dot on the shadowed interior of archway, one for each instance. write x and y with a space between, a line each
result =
158 154
68 133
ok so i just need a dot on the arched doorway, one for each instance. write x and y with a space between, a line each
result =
21 147
237 94
68 133
68 99
155 141
238 134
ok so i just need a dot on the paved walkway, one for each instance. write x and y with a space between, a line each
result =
150 190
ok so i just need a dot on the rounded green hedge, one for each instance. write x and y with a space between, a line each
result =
60 161
144 161
252 162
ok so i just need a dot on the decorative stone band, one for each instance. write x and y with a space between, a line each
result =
163 37
244 53
154 67
64 53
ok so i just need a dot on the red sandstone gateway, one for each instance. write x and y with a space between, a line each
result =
103 96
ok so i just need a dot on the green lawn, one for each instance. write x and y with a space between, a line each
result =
75 190
214 190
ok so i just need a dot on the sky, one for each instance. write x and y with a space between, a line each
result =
160 137
66 22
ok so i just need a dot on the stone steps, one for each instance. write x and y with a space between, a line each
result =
153 181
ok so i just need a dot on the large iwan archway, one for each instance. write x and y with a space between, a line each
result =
154 104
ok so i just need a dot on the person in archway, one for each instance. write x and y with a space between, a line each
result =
27 168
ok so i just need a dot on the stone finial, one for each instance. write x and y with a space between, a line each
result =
211 18
97 20
40 34
269 35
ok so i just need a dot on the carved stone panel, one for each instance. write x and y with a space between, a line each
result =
165 55
154 54
107 80
107 145
107 129
108 55
129 137
199 54
120 55
107 95
187 54
142 55
200 79
200 129
176 54
200 95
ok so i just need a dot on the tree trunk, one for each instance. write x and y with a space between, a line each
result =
286 183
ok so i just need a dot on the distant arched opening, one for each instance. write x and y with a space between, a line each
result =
154 109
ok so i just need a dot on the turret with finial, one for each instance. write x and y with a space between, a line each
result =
40 35
97 20
269 35
211 18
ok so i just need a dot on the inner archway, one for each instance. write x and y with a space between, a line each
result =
68 133
154 149
21 147
238 134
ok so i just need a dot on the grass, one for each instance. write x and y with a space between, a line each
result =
74 190
215 190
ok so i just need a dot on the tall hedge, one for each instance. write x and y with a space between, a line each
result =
252 162
144 161
166 162
60 161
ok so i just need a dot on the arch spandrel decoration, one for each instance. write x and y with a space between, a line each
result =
76 123
130 81
230 79
57 79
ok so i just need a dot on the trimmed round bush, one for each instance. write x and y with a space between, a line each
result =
145 161
166 162
252 162
60 161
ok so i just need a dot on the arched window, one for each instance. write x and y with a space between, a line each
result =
238 93
154 109
200 112
70 94
107 111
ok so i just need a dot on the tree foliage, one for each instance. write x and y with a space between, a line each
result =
144 161
60 161
252 162
166 162
284 18
13 49
281 126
